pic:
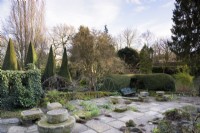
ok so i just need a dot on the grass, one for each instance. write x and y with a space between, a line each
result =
10 114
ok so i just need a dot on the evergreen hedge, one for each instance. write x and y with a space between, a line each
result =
20 89
154 82
10 60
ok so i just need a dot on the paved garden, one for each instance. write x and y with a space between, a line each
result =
111 122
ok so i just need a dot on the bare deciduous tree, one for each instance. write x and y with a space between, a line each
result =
129 36
60 37
25 24
162 53
148 37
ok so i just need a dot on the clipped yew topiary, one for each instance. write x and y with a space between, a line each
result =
64 70
10 60
50 66
31 55
153 82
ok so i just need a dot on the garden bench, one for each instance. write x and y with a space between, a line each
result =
128 91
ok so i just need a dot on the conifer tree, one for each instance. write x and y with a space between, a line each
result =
146 60
50 66
186 31
31 55
10 60
64 69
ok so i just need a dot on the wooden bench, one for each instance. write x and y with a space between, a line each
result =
128 91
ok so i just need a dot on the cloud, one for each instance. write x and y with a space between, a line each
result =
91 13
168 4
140 8
137 2
4 6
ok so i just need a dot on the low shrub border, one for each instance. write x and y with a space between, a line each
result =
63 97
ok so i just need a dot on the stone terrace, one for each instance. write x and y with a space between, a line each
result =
103 124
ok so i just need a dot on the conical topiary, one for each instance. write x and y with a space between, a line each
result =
10 60
50 66
64 69
31 55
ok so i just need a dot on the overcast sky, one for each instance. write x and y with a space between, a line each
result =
143 15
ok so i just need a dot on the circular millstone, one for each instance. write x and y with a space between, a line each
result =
64 127
57 116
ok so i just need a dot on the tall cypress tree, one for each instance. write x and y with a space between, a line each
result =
10 60
186 31
64 69
31 55
50 66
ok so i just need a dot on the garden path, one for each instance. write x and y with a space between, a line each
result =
103 124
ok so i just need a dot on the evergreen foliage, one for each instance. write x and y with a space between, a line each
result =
31 55
20 88
64 69
50 66
155 82
129 55
10 60
146 60
186 31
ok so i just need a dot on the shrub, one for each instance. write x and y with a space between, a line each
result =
20 88
167 70
10 60
184 82
155 82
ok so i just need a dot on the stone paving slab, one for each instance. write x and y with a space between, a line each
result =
17 129
113 131
32 129
151 113
116 115
98 126
117 124
79 128
106 119
89 131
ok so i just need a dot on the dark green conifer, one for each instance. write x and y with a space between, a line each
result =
10 60
50 66
31 55
64 69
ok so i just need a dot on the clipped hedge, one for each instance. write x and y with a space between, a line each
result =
167 70
20 88
155 82
115 82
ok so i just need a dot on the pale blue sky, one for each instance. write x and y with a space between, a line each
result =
143 15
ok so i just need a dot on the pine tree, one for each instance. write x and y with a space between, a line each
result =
10 60
50 66
186 31
146 60
31 55
64 69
